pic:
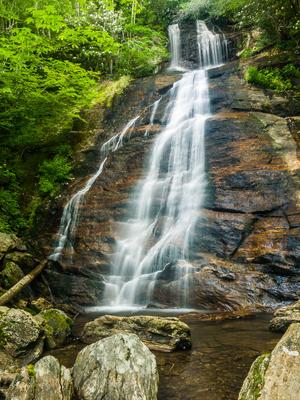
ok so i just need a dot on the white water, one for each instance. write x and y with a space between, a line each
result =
175 43
70 216
170 197
212 47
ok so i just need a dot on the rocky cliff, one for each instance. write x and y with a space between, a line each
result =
247 246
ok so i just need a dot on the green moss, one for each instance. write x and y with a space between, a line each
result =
57 327
31 370
254 382
109 90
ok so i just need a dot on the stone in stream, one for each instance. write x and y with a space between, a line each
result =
161 334
284 317
120 367
56 325
276 376
46 380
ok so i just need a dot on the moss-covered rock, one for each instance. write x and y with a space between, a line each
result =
161 334
25 261
57 327
10 275
254 382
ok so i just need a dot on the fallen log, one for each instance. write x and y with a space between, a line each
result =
22 284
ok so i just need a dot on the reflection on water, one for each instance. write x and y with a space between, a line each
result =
215 367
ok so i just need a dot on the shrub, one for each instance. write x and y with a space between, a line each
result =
268 78
53 174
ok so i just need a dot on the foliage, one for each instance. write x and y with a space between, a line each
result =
57 59
278 20
10 213
53 174
276 79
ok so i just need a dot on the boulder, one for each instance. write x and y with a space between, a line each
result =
57 327
20 334
276 377
47 379
284 317
161 334
118 367
24 260
7 242
10 275
41 304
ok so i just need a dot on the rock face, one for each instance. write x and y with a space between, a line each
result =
246 250
161 334
21 334
276 377
47 379
56 325
119 367
284 317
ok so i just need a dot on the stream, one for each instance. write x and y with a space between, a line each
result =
215 367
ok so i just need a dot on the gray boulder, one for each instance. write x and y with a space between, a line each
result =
7 242
276 376
47 379
21 334
120 367
161 334
284 317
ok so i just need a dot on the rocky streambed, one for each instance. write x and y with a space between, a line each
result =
216 365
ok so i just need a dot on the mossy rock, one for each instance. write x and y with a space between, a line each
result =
254 382
25 261
7 243
57 327
10 275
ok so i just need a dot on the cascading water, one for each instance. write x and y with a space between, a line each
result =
70 216
175 43
212 47
171 195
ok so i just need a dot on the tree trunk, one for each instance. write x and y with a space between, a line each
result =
22 284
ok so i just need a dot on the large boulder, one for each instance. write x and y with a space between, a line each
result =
7 242
47 379
118 367
21 335
284 317
10 275
276 376
56 325
162 334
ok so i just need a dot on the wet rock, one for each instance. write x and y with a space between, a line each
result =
276 377
253 384
47 379
25 261
161 334
41 304
10 275
118 367
7 243
56 325
21 334
284 317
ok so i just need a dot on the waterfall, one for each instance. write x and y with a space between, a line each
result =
169 199
70 216
175 43
212 47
